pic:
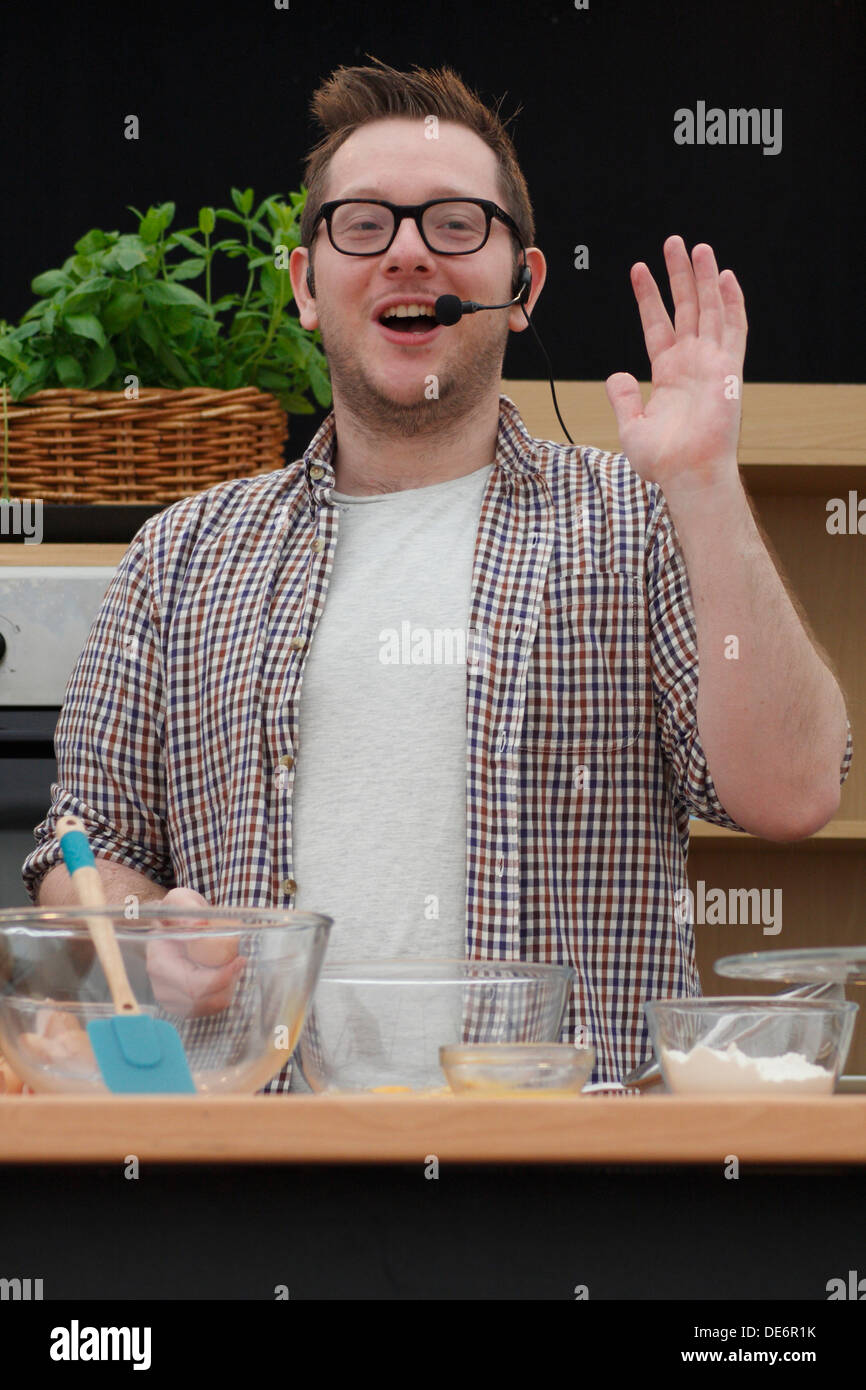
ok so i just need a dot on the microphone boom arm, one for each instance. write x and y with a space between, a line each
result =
450 310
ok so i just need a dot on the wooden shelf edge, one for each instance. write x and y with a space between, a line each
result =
806 426
108 553
838 834
374 1129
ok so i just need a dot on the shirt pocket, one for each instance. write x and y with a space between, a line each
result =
587 668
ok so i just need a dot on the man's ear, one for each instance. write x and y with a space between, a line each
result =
304 287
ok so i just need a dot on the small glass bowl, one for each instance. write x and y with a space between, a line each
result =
380 1023
737 1044
517 1069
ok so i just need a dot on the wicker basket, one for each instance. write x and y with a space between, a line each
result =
77 446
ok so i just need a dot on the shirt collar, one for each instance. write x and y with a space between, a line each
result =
516 452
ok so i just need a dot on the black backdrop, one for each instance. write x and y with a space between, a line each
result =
222 94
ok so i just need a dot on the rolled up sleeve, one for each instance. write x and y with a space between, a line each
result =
109 738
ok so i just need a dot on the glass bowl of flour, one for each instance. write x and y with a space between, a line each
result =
747 1045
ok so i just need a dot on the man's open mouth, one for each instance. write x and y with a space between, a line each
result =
409 318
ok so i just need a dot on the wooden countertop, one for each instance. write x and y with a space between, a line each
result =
610 1129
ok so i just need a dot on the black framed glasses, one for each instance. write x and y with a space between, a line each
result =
448 226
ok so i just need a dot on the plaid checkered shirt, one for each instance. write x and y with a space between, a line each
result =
583 760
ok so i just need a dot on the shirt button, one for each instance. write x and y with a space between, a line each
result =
287 760
297 643
288 885
317 472
318 545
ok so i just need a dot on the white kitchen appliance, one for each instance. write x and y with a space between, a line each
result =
46 613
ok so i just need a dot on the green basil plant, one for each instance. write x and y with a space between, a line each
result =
124 304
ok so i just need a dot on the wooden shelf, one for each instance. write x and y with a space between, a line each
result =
795 438
838 834
88 553
628 1129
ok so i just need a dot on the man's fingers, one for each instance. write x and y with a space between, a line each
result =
683 289
194 977
210 981
175 1002
709 296
623 392
174 976
204 951
658 331
213 951
184 897
736 325
167 961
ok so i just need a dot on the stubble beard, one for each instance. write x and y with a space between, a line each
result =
459 389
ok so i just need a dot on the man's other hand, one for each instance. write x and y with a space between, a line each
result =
198 977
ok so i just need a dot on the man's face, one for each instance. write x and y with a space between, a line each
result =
384 376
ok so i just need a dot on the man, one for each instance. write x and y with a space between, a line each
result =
259 717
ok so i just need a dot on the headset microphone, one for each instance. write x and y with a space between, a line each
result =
450 310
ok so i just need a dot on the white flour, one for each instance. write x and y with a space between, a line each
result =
728 1069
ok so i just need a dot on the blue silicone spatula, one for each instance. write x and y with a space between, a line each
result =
136 1053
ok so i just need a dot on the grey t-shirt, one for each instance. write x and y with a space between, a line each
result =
379 807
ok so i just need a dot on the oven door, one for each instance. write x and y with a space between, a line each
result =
46 613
